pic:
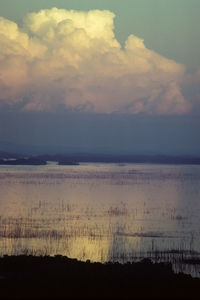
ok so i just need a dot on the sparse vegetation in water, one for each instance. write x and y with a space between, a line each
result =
104 213
18 235
117 211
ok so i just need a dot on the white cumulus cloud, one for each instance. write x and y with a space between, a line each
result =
71 60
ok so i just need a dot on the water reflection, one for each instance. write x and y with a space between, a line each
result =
101 212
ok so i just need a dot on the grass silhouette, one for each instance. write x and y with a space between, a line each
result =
58 277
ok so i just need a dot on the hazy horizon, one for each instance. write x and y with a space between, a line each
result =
117 134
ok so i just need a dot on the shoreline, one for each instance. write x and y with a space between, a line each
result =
77 158
59 277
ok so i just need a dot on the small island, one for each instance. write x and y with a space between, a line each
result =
68 163
23 161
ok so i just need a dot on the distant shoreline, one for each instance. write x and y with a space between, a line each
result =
23 161
76 159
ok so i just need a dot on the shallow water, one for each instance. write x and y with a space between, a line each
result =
102 212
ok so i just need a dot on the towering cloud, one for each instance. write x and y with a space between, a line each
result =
61 59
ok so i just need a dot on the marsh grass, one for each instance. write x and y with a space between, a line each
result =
17 234
114 214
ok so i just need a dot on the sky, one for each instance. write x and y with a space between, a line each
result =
92 63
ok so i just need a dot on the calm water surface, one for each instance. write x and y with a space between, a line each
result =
102 212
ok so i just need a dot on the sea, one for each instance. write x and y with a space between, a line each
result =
103 212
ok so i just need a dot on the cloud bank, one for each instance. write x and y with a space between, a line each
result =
63 59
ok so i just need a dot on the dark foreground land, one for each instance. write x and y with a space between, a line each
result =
29 277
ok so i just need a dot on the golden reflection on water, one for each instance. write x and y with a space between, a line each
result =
98 212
